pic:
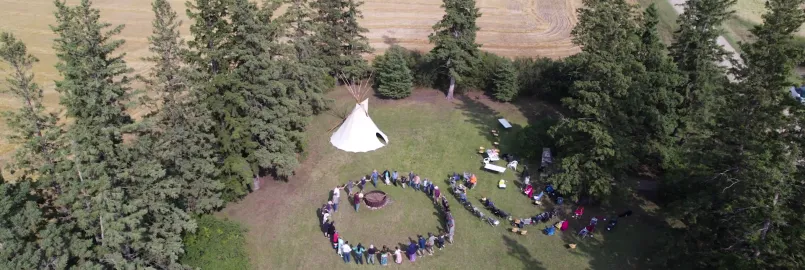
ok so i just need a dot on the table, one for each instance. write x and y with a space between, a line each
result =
505 123
492 155
493 167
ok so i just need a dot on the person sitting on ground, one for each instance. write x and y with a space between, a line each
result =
529 191
539 196
579 212
594 221
473 181
527 180
462 196
487 203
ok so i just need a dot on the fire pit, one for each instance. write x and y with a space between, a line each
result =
375 199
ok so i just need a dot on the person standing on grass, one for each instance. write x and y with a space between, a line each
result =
431 242
384 256
417 182
336 196
362 183
394 177
334 238
348 187
440 240
422 245
425 185
370 254
436 195
451 227
386 177
375 175
330 228
411 252
359 253
357 200
340 247
411 176
346 251
398 256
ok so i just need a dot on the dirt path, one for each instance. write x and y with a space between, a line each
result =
679 6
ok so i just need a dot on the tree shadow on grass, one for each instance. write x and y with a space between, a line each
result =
630 245
521 253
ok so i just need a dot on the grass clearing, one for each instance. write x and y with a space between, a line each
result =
433 138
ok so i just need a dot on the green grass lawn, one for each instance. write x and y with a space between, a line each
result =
433 138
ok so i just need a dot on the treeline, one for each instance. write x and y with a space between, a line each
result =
725 142
107 191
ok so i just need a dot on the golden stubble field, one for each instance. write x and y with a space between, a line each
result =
508 27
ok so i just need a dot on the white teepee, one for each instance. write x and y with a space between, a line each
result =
358 133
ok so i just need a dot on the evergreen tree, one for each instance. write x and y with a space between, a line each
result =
181 120
115 194
341 38
697 55
305 68
28 240
589 157
651 105
393 79
454 41
210 56
739 199
505 81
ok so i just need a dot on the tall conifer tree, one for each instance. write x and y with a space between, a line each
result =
455 49
29 241
341 38
181 118
115 193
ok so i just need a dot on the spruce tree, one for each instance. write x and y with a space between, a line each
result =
697 55
505 81
341 38
305 68
454 41
393 79
182 118
28 240
115 193
651 106
740 198
589 156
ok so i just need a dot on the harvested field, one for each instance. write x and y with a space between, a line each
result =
508 27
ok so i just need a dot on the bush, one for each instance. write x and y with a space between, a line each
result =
217 244
504 82
393 78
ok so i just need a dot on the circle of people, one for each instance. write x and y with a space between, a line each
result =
416 247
